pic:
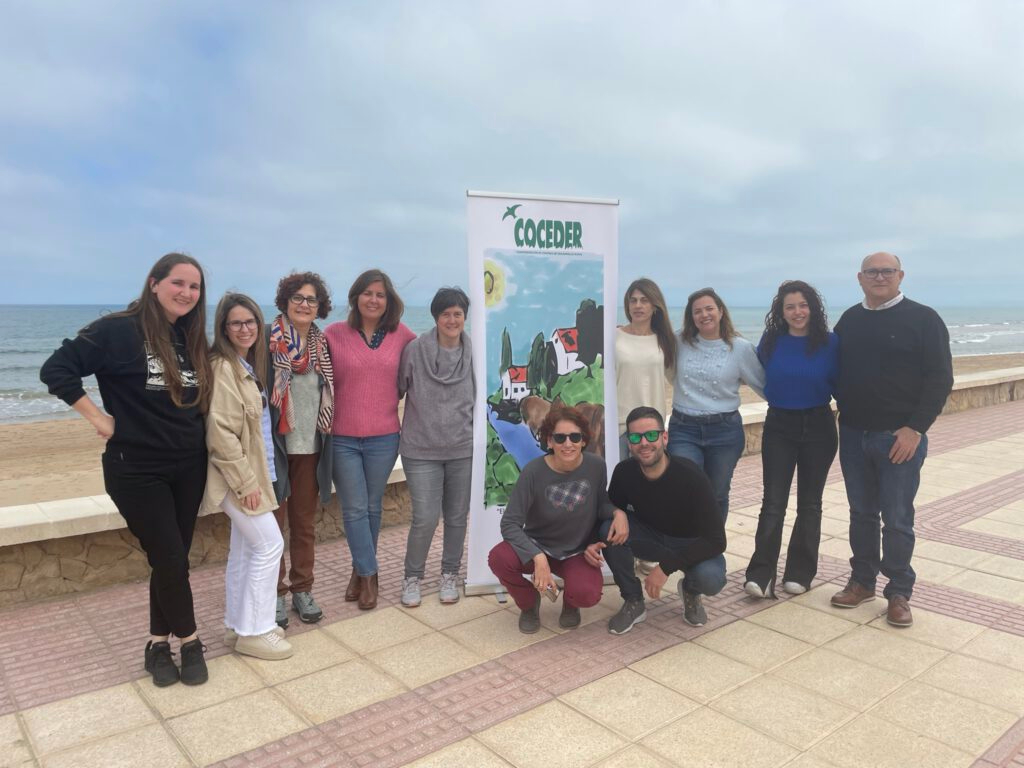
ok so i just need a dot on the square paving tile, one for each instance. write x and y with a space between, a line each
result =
468 752
887 650
949 553
996 528
954 720
712 740
1000 565
528 740
622 701
229 678
844 680
784 711
494 634
234 726
314 650
740 545
338 690
935 571
373 630
425 659
14 748
806 624
979 680
934 629
997 647
69 722
874 742
634 757
820 598
989 585
753 645
149 746
694 671
438 616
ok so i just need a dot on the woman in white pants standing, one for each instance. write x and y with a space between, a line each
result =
240 476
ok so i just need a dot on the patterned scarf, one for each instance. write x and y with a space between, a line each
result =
288 359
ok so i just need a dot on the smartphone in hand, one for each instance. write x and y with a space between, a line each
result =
551 593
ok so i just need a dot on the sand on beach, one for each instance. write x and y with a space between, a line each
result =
60 459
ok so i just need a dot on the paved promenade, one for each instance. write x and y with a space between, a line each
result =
791 682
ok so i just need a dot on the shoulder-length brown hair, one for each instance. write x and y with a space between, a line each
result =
157 337
289 285
660 323
725 327
392 315
562 413
222 347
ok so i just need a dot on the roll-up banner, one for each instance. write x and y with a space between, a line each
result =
542 272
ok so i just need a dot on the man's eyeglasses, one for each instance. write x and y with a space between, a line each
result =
572 437
298 300
237 325
874 274
650 436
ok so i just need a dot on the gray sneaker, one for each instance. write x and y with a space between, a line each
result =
632 612
282 611
411 591
304 605
529 620
449 588
693 610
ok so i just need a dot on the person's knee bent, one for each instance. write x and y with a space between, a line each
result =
503 560
708 577
584 591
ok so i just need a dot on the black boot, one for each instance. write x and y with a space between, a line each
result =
160 664
193 665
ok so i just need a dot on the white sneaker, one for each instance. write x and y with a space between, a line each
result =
411 591
269 646
753 589
231 637
793 587
449 588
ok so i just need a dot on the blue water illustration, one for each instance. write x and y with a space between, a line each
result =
517 439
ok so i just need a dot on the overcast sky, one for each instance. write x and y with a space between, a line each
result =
748 142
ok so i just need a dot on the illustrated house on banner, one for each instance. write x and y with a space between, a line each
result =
513 383
566 347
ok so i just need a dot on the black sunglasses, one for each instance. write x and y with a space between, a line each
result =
572 437
651 435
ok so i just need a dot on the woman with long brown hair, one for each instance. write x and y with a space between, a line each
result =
150 361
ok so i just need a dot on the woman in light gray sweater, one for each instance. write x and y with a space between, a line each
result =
436 377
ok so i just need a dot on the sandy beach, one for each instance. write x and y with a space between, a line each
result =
60 459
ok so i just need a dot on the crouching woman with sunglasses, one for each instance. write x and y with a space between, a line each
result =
556 508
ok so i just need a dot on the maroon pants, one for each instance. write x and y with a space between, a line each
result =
582 581
299 510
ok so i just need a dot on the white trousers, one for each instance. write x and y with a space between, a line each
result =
250 581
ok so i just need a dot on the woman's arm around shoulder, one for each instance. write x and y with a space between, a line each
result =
751 370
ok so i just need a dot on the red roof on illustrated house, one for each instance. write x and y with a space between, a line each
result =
517 374
568 338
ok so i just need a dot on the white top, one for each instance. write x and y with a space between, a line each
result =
708 375
640 376
885 305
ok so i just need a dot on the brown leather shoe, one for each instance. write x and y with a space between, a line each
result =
352 590
899 614
367 592
852 595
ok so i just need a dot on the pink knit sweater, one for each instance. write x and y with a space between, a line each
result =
365 380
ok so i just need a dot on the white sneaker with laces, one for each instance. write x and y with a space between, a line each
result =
449 588
269 646
411 591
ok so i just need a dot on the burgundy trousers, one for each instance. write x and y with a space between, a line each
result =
583 582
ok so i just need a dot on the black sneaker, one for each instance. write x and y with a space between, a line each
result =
160 664
693 609
632 612
193 665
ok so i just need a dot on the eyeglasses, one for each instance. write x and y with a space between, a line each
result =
874 274
650 436
237 325
572 437
298 300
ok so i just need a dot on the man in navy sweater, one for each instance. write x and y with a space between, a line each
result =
895 372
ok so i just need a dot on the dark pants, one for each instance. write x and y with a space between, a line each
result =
582 581
299 511
804 441
877 490
159 499
704 578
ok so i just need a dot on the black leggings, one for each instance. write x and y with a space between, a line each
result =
159 499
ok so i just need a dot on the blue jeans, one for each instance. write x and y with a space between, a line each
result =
877 490
714 443
361 469
704 578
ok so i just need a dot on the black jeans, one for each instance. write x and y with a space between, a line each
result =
159 499
805 441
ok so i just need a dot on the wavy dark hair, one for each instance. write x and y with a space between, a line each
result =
775 324
222 346
289 285
725 327
155 332
392 315
660 323
562 413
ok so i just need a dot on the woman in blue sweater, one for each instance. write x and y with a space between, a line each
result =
801 364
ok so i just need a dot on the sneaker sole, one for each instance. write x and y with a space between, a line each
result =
449 600
638 620
266 655
694 623
417 604
197 681
311 620
164 683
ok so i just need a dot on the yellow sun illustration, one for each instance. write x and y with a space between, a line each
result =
494 283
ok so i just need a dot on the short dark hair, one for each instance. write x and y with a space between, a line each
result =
446 298
290 284
392 314
563 413
645 412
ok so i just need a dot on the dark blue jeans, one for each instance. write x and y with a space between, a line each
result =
881 496
704 578
714 443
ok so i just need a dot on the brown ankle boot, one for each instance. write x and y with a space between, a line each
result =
352 590
367 592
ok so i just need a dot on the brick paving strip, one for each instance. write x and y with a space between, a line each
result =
60 648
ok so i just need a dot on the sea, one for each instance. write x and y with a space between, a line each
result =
29 334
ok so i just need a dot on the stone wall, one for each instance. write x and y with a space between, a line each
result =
79 563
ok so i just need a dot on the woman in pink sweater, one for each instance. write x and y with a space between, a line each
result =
366 350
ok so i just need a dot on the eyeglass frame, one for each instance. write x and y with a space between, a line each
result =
298 300
886 273
236 325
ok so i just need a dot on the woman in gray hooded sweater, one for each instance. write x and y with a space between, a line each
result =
436 377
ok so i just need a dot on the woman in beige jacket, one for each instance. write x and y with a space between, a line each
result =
240 476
